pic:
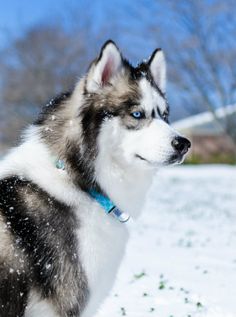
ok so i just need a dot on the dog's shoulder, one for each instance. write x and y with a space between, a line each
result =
27 208
43 228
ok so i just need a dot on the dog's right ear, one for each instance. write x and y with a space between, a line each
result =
107 66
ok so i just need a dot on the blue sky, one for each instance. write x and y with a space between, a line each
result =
16 16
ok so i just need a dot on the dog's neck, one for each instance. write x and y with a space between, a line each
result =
127 188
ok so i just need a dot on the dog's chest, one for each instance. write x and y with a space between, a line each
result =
101 241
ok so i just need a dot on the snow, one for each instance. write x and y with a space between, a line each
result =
181 257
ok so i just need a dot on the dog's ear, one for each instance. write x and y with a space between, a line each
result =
107 66
157 65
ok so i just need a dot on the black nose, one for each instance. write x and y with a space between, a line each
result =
181 144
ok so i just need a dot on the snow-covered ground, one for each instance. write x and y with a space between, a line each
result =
181 258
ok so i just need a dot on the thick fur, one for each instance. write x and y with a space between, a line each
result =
59 251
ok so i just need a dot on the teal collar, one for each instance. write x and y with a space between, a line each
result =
108 206
103 201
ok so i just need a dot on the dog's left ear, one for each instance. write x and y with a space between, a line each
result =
105 68
157 65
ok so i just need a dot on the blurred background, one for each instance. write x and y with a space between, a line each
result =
181 258
45 46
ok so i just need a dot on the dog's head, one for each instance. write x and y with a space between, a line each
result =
126 111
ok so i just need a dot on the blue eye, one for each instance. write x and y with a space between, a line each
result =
137 114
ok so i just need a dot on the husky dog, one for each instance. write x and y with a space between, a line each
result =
91 152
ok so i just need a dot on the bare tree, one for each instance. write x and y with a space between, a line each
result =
207 54
199 39
45 61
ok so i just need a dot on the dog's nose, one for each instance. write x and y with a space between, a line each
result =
181 144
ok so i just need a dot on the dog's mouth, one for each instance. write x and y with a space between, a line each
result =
141 158
173 159
145 160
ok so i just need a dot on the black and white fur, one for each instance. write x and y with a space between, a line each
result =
59 251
